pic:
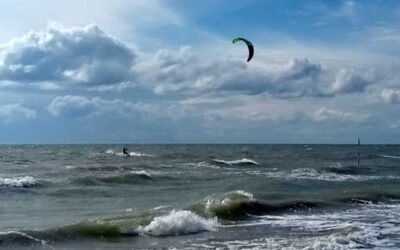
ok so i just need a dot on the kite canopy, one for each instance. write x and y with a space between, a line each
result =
249 46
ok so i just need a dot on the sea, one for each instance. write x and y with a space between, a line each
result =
200 196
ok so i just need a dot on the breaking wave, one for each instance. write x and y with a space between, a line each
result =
243 161
239 204
221 210
22 182
331 174
178 223
200 165
337 230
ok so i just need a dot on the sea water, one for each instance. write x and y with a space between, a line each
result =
199 197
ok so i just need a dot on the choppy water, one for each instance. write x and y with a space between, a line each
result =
199 196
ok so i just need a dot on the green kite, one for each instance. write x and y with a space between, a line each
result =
249 46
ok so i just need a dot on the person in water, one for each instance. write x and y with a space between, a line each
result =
125 151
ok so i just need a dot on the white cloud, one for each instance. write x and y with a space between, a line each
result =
390 96
80 106
89 58
184 70
81 55
348 81
244 110
326 115
248 111
71 106
189 72
13 112
236 109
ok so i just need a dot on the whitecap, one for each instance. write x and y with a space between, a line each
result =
110 151
348 229
353 228
244 193
25 181
136 154
391 156
178 223
313 174
139 154
201 164
141 172
161 207
238 162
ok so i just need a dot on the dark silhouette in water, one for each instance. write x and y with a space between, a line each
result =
358 153
125 151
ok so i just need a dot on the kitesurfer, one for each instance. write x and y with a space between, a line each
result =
125 151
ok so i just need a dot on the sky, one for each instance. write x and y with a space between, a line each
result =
154 71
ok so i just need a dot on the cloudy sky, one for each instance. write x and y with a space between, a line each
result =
76 71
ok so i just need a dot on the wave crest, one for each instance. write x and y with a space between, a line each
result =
179 222
239 205
243 161
328 174
23 182
397 157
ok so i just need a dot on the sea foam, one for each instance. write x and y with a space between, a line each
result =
179 222
25 181
201 164
141 172
391 156
353 228
243 161
132 153
313 174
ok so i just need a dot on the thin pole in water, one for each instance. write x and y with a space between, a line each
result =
358 153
